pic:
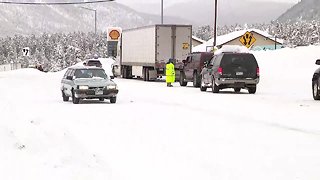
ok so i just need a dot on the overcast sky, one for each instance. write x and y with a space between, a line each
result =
158 1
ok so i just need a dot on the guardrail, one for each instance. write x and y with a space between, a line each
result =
10 67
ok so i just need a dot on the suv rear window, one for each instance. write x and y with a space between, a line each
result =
236 60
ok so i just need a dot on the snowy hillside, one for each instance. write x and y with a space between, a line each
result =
155 132
28 19
308 10
246 11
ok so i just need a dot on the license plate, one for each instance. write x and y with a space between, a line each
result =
239 73
99 92
239 84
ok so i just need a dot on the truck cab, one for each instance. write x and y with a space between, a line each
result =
192 66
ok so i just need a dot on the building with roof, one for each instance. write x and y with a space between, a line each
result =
260 41
197 41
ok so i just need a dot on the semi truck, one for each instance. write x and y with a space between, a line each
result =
146 50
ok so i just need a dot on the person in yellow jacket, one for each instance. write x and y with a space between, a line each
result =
170 73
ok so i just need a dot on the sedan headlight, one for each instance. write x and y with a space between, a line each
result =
83 87
112 86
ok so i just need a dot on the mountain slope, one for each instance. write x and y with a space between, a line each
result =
304 10
26 19
230 11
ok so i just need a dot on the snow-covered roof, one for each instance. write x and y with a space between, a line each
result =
232 48
198 39
231 36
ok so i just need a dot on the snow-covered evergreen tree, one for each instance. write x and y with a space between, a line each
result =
58 51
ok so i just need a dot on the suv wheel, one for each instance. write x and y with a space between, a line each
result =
252 90
74 99
237 90
181 79
64 97
315 90
202 88
215 88
113 100
196 80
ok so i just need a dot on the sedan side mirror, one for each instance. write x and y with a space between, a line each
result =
84 63
318 62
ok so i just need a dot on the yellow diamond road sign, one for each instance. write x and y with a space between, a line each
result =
247 39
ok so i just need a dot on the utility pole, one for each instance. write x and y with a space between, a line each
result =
95 21
215 23
161 11
95 17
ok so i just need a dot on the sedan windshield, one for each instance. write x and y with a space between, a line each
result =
90 73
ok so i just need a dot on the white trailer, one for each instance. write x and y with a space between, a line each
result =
146 50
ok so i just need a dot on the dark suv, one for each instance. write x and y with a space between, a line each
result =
316 83
235 70
192 67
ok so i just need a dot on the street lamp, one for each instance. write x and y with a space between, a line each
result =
215 23
95 17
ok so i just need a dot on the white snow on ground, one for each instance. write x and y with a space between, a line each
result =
155 132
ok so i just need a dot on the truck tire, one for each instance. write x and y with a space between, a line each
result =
147 74
315 90
196 79
182 82
127 72
124 72
144 74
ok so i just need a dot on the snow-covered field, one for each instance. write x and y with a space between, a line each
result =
159 133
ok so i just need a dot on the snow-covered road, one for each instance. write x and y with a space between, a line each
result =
155 132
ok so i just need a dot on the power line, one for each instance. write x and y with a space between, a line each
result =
53 3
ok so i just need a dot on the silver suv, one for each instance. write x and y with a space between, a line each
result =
88 83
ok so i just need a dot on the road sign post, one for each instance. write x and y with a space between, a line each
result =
114 35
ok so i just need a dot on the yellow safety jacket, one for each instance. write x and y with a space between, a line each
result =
170 73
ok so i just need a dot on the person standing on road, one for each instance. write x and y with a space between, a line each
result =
170 73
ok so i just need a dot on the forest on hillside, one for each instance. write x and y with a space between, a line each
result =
58 51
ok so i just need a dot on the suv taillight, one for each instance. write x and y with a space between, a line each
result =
258 71
220 70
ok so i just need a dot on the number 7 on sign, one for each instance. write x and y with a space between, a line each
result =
26 51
